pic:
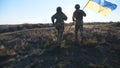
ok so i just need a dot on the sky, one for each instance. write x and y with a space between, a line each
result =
40 11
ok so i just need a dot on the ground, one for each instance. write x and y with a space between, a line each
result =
36 48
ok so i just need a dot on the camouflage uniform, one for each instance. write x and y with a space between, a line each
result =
59 23
78 18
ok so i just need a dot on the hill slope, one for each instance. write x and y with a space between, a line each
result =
36 48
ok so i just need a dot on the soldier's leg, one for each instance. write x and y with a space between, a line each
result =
76 32
58 38
62 30
60 35
81 30
81 33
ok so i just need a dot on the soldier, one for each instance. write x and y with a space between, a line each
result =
58 21
78 19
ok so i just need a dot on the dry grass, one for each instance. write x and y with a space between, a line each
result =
32 46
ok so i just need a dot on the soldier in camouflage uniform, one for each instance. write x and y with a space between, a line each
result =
58 21
78 19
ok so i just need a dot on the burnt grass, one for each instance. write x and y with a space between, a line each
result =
37 48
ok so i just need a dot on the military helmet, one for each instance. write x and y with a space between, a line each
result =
59 9
77 6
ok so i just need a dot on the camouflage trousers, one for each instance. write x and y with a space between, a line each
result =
79 27
60 30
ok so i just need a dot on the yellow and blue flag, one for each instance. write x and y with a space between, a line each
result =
101 6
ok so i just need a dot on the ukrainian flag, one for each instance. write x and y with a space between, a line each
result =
101 6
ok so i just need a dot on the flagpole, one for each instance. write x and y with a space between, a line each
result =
86 4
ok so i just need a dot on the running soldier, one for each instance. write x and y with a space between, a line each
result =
58 21
78 19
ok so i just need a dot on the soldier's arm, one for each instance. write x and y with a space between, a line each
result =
84 14
52 19
73 17
64 17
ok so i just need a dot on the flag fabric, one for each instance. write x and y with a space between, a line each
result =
101 6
